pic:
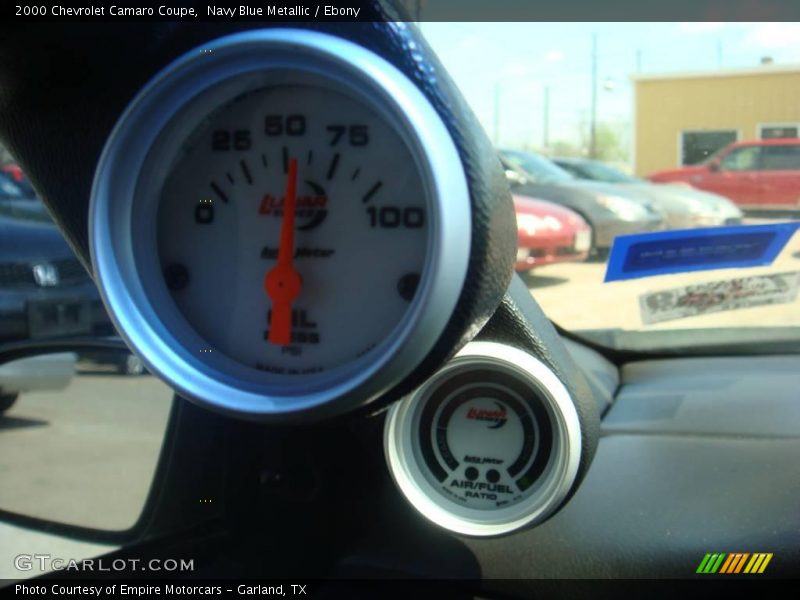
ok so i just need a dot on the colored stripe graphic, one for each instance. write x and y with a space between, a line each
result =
734 563
703 563
727 564
711 563
758 563
741 562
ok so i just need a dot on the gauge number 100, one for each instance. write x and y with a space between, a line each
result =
392 217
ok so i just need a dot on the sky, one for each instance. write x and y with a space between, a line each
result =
510 64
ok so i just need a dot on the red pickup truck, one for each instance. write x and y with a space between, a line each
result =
762 175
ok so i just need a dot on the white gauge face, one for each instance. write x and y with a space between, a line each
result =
483 445
281 225
353 256
489 444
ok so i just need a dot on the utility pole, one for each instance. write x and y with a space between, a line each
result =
593 119
496 136
546 119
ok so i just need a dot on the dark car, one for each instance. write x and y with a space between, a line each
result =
19 200
15 174
610 212
11 190
44 290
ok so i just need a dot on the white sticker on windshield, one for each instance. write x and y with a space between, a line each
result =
718 296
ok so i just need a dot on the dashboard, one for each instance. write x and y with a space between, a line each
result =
308 236
281 226
676 474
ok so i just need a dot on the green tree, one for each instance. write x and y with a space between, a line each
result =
565 149
609 144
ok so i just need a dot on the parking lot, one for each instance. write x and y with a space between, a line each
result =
84 455
575 296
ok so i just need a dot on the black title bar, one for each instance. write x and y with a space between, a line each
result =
405 10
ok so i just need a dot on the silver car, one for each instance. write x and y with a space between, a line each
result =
610 210
684 207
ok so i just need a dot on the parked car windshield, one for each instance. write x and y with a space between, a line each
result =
541 169
603 172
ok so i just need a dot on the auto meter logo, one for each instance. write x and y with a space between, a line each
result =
497 417
310 209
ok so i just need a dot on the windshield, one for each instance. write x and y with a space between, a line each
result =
639 102
618 103
600 172
540 169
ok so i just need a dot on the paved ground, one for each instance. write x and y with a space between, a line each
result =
574 296
84 455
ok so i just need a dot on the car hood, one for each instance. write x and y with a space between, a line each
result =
622 190
610 189
576 198
688 198
680 172
25 210
27 240
580 198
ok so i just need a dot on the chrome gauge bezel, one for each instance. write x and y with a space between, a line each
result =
402 427
124 202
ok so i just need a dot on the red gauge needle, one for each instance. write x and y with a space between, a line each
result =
282 283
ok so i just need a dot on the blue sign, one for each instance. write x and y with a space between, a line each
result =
663 252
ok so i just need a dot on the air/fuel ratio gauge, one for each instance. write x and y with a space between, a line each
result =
488 445
280 224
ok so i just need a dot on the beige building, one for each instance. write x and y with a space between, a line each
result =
682 118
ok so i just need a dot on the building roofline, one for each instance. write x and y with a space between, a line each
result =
721 73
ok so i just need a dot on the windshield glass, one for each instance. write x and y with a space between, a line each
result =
602 172
644 102
537 167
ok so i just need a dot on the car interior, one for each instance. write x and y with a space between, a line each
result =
305 233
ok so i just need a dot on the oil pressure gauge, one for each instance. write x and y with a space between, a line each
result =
280 224
488 445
